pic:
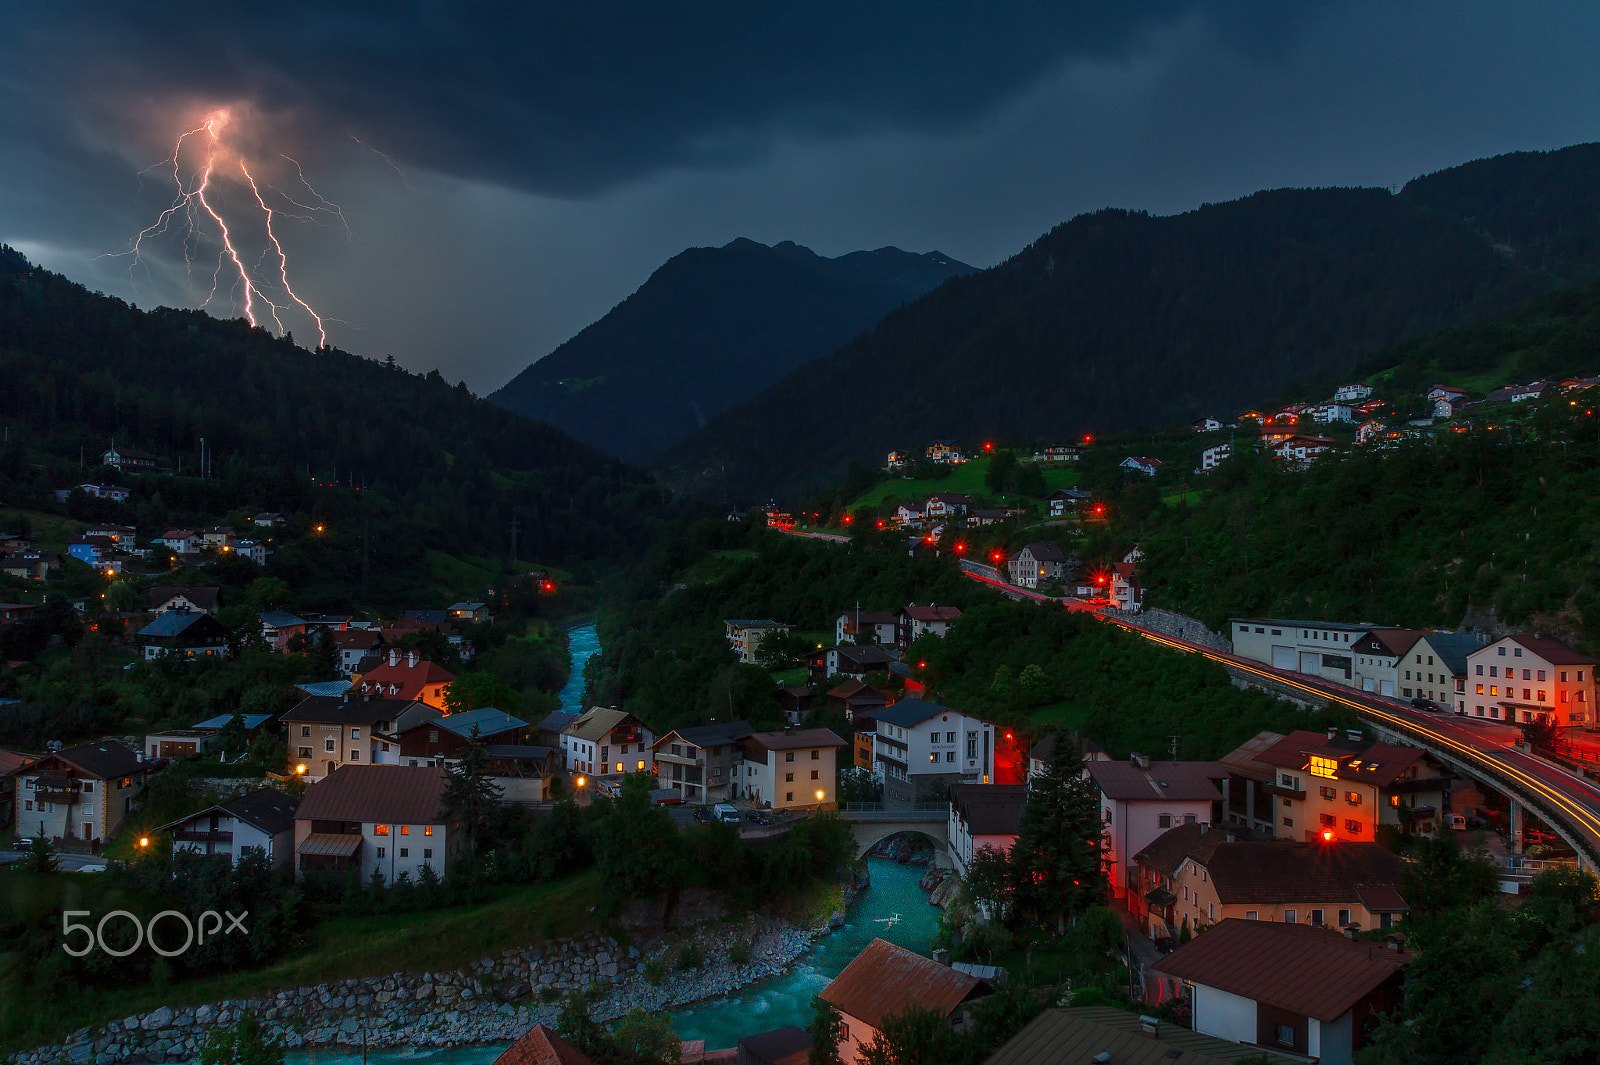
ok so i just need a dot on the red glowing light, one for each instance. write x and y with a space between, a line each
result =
1099 508
988 446
1087 439
1327 835
880 523
847 519
960 548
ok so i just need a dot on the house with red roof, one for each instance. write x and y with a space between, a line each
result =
1342 786
181 541
1530 678
387 819
541 1046
409 678
918 621
884 980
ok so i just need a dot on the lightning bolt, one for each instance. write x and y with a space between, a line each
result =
195 204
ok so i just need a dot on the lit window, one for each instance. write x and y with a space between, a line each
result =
427 830
380 830
405 830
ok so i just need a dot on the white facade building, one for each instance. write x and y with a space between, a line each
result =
918 740
262 819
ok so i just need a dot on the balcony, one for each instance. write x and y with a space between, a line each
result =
60 795
202 837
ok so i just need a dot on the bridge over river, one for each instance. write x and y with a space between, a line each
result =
874 822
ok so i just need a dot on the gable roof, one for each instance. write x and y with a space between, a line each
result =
11 761
541 1046
103 760
715 734
1452 648
204 598
596 723
1080 1033
251 721
910 712
1168 851
1245 759
268 809
1273 871
1045 552
791 740
487 720
406 679
1330 974
931 612
389 794
1170 781
1358 759
557 721
884 979
869 617
1552 651
990 809
331 710
178 623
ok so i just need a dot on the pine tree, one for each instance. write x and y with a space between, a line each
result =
1056 858
470 793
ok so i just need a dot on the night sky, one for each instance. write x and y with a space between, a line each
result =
509 174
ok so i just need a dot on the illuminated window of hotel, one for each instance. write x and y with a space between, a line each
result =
1323 767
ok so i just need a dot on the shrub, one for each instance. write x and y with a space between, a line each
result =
690 956
739 953
655 971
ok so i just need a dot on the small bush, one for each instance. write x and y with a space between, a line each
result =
655 971
690 956
739 953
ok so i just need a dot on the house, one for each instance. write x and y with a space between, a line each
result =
1441 658
541 1046
128 458
267 519
1214 456
1064 500
442 739
408 678
746 634
788 1045
325 732
181 541
30 565
470 613
877 625
943 451
218 537
178 634
1140 799
796 703
278 627
1528 678
1139 464
160 600
1375 660
262 819
1126 591
897 460
853 660
1081 1034
11 763
947 505
1303 449
1447 408
983 815
883 981
1205 425
701 762
1342 786
1323 1004
1040 753
353 645
1352 393
908 516
82 793
249 550
1196 875
606 742
94 551
795 769
181 742
1325 413
1037 566
523 772
1448 393
922 747
919 621
855 698
376 819
1369 429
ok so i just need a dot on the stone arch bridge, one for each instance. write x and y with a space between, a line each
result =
872 823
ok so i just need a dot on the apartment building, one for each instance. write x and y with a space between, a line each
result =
919 747
1140 799
702 762
325 732
746 634
796 769
1341 786
1527 678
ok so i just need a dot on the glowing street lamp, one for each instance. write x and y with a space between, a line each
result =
144 841
300 770
582 781
819 796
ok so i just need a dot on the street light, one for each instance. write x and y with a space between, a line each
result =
144 841
819 796
300 770
582 781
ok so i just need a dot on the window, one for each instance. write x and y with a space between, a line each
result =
1516 652
1563 676
1344 918
933 737
427 852
1314 917
949 737
1288 822
28 804
355 756
327 745
1480 671
933 757
1541 674
88 787
1352 827
1212 910
405 830
1285 1034
1329 793
1353 798
405 852
1502 651
381 852
1288 801
815 775
788 796
949 756
1164 820
380 830
1286 780
433 735
427 830
788 778
1493 671
1328 820
1480 689
1543 695
355 734
1252 915
1289 917
305 730
1494 689
1527 694
788 756
305 752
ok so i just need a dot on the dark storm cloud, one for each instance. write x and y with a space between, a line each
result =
573 98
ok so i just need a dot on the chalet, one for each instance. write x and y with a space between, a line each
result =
1140 799
180 634
1205 425
983 815
470 613
278 627
160 600
883 981
1037 565
1196 875
441 739
1064 500
1369 429
94 551
262 820
1342 786
745 635
909 516
30 565
947 505
855 660
408 678
897 460
1351 393
795 769
376 819
1126 591
943 451
606 742
83 793
181 541
1448 407
854 699
1444 392
1059 453
1323 1003
796 703
523 772
919 621
1039 754
1214 456
702 762
128 458
877 625
1532 678
1140 464
1303 449
218 537
249 550
982 516
326 732
354 645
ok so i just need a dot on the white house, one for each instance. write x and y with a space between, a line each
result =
263 819
792 769
1206 425
947 505
83 793
1138 463
386 819
1037 565
606 742
1126 591
1140 799
1213 456
1369 429
983 815
1333 412
253 550
1352 393
878 625
1526 678
181 541
883 981
918 621
923 746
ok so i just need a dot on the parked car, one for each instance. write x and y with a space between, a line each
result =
726 813
1419 703
766 817
704 815
22 843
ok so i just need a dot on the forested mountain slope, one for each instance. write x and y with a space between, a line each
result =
709 329
1119 320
